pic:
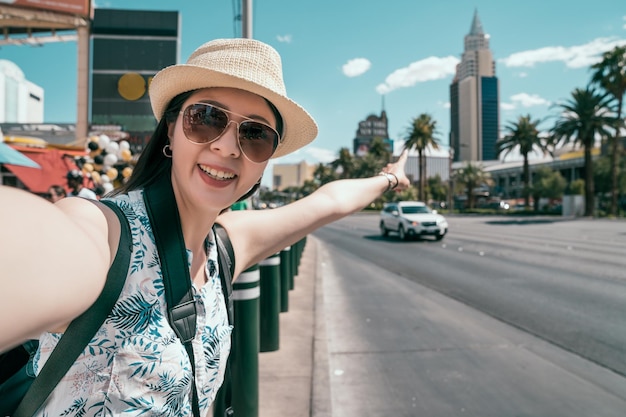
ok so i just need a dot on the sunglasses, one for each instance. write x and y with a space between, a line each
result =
204 123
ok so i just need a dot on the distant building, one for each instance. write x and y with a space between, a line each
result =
369 129
291 175
508 177
21 101
435 165
474 100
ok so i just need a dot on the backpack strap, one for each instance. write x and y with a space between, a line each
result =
82 329
168 236
166 227
226 258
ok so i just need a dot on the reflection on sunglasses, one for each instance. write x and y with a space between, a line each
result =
204 123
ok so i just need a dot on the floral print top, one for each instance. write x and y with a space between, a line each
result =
135 365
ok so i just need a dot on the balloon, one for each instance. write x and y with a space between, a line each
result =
110 159
126 172
126 155
88 167
93 146
104 140
104 179
107 187
124 145
98 159
112 173
113 147
95 176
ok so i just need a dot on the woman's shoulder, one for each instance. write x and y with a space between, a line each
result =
131 203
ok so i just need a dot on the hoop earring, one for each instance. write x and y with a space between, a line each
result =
167 151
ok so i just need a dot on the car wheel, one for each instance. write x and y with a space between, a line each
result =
383 229
401 233
439 237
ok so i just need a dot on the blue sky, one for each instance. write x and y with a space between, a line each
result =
339 56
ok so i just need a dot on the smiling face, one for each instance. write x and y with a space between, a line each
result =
214 175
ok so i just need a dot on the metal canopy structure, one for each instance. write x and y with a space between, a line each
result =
26 22
22 25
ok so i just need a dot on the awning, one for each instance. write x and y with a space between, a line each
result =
54 163
8 155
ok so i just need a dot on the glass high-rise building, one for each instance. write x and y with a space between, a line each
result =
128 48
474 100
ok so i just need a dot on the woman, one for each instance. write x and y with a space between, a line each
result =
56 193
222 116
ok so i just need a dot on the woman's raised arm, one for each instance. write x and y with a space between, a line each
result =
54 260
258 234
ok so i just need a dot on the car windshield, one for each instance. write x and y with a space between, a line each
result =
415 209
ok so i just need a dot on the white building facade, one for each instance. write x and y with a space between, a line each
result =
21 101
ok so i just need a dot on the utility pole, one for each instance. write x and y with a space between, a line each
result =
82 76
450 182
246 19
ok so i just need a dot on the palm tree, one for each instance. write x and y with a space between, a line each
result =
585 115
524 136
344 165
380 150
420 136
324 174
377 156
610 74
471 176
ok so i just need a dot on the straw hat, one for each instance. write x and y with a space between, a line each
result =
242 63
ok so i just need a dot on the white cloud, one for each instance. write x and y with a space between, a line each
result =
522 74
529 100
429 69
524 100
316 155
284 38
356 67
578 56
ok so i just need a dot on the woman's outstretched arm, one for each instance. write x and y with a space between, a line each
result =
257 234
54 260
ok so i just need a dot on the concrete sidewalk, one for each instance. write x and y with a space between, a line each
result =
293 381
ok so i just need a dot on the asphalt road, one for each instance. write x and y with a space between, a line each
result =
504 317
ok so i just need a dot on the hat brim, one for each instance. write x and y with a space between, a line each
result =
299 128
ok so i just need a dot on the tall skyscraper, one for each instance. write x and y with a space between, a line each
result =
474 100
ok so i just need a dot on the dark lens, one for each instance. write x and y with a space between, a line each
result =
258 141
203 123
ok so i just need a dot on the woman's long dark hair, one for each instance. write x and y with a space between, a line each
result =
153 163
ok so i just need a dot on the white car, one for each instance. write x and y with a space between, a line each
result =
412 219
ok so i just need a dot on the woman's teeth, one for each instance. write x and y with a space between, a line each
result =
220 175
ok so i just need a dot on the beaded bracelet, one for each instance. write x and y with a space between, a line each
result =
390 177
